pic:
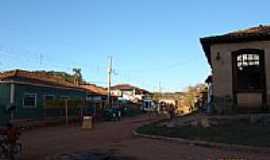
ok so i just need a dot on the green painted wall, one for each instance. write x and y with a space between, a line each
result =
4 100
38 112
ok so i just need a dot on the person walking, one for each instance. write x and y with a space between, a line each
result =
12 137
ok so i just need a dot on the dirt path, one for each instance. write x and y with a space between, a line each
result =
117 136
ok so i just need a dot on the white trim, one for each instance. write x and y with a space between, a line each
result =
12 93
32 94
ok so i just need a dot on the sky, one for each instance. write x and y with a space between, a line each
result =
152 42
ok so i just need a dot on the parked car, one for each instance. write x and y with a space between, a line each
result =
112 114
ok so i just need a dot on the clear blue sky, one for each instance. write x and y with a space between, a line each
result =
150 40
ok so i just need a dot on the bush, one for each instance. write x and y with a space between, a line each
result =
223 105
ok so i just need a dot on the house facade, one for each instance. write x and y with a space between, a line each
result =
240 63
25 93
96 95
129 92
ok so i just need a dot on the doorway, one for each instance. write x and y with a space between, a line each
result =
249 84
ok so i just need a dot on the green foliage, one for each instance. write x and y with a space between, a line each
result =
66 76
156 96
236 132
193 93
223 105
77 74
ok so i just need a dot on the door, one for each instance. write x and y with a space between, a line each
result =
249 78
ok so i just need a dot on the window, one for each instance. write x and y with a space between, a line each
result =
29 100
249 69
247 60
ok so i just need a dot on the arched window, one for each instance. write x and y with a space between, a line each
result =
249 69
248 60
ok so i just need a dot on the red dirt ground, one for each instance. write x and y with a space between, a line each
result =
117 136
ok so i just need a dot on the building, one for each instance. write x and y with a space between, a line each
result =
97 95
176 99
129 92
240 63
23 94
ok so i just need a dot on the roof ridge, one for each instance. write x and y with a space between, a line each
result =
57 80
252 29
257 33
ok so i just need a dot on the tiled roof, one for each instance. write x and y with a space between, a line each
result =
259 33
259 30
37 78
94 89
123 87
128 87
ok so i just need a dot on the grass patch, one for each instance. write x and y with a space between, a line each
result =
233 133
133 113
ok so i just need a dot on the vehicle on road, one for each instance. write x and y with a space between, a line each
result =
149 106
112 114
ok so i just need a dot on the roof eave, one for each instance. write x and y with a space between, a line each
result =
206 48
207 42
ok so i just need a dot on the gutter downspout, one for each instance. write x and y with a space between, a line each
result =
12 99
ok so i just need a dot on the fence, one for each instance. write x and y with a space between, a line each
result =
69 110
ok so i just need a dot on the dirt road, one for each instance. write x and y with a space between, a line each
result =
117 137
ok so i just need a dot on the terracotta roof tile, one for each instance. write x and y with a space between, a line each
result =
259 33
94 89
37 78
128 87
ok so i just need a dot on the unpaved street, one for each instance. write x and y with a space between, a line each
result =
117 137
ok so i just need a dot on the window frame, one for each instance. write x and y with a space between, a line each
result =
236 69
247 59
35 100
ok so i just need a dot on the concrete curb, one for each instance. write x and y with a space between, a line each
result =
206 143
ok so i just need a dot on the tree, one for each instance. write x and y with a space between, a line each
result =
156 96
77 75
193 94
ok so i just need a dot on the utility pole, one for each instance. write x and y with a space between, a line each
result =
159 87
159 90
109 81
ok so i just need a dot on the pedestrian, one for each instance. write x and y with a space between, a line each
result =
12 137
119 115
171 112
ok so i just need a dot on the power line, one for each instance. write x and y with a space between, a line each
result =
156 69
40 60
